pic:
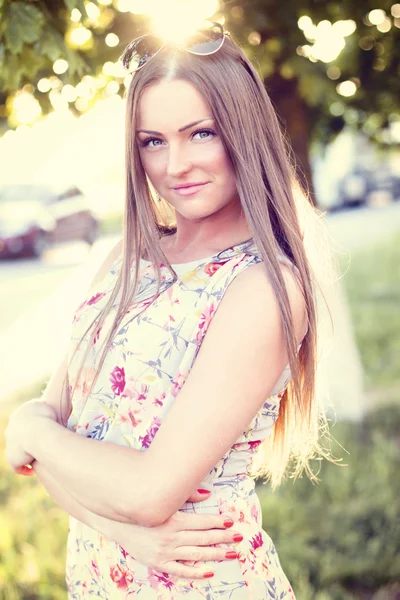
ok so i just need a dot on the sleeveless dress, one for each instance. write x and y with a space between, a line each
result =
149 360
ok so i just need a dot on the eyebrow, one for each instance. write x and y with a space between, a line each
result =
181 129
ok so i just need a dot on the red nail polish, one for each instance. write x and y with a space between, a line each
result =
238 537
208 574
228 523
202 491
231 554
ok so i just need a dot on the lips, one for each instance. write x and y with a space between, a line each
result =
189 189
187 185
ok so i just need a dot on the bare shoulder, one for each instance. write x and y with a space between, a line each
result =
252 294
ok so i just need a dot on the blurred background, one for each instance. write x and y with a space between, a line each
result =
332 70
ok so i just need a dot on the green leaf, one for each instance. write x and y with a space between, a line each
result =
11 73
31 63
2 54
24 25
76 64
16 68
51 45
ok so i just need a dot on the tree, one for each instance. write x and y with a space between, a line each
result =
278 36
304 91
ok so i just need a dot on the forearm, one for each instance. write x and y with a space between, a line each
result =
100 476
113 530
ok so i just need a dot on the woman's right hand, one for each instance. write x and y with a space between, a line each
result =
184 537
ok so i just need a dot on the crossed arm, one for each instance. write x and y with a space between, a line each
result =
240 361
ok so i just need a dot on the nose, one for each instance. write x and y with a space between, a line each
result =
178 162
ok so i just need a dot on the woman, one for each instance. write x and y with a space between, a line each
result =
193 340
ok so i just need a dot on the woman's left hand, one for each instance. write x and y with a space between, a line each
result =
23 423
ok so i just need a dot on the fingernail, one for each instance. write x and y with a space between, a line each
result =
202 491
228 523
231 554
208 574
237 537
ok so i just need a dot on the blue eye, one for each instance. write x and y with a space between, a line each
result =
146 143
152 142
208 131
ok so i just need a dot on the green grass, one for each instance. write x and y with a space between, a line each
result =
372 283
33 530
112 223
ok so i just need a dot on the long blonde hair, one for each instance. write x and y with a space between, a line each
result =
265 177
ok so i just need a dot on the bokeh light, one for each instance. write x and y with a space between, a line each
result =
25 108
92 10
333 72
376 16
44 85
385 26
337 109
112 88
328 38
58 101
69 93
254 38
79 36
112 40
346 88
367 42
60 66
76 15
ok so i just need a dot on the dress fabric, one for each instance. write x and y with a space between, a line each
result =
146 366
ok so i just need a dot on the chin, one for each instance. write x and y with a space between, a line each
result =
196 213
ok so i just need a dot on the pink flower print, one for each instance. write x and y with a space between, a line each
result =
121 577
159 401
212 268
205 320
96 569
254 445
117 378
86 379
143 392
257 541
96 337
177 384
155 578
131 392
254 512
95 298
151 432
134 421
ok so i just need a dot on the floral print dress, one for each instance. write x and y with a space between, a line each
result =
149 360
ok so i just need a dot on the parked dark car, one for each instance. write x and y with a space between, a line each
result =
360 186
34 217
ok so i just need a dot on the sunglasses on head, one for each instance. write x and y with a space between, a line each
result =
203 42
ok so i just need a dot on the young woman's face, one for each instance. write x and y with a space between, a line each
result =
179 146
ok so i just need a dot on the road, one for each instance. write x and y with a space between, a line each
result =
37 302
38 297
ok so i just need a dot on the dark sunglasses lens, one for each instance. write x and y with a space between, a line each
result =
206 41
140 51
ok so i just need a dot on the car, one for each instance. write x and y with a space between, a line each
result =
34 217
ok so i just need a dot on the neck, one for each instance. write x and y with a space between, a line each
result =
210 234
